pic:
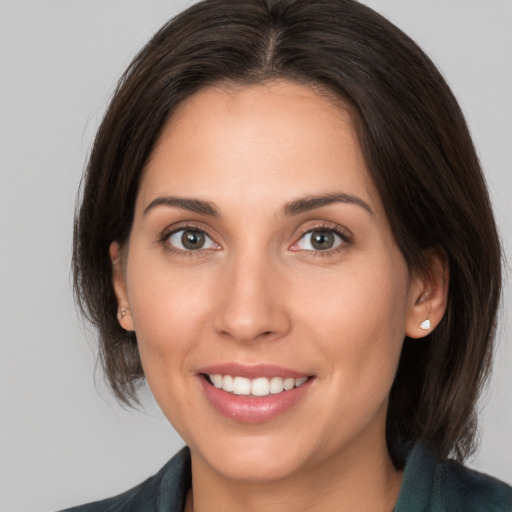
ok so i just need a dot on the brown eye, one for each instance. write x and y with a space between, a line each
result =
191 240
320 240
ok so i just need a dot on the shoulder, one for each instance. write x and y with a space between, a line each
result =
431 485
473 490
165 491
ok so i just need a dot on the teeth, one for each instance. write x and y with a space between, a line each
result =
299 382
255 387
276 385
217 380
288 384
227 383
260 387
241 386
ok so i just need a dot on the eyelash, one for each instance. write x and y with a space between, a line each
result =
345 240
164 240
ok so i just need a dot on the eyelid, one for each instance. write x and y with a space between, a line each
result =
342 233
187 226
208 242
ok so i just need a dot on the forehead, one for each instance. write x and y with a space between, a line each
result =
274 136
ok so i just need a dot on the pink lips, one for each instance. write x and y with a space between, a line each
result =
252 371
250 409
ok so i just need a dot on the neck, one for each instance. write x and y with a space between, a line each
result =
353 480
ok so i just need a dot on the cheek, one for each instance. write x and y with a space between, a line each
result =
169 318
359 320
169 310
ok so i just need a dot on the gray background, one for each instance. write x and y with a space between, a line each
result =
63 439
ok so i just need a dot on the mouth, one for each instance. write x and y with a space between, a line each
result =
254 393
258 387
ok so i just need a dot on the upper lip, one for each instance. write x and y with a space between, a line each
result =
252 371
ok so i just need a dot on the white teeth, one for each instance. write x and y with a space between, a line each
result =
260 387
299 382
255 387
276 385
241 386
289 384
216 380
227 383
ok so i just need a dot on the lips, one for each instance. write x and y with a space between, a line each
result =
253 394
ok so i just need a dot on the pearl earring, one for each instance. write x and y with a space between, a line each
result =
425 325
123 312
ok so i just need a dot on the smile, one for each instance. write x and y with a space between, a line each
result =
260 386
255 393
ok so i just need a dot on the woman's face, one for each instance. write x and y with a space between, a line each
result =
260 259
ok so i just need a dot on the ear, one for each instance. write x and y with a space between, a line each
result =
428 296
124 314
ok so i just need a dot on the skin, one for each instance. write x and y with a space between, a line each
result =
256 293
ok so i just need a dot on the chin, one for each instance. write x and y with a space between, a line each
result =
258 459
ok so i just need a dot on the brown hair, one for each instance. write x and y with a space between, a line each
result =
417 149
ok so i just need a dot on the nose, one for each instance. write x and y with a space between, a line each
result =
253 305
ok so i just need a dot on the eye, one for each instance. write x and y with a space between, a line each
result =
319 240
190 240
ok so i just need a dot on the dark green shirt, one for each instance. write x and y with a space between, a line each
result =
428 486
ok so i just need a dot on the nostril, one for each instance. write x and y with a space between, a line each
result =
266 334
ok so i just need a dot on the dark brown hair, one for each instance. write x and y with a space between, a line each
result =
417 149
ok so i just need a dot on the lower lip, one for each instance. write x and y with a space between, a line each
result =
249 409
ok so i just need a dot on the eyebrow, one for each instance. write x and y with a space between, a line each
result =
307 203
192 205
295 207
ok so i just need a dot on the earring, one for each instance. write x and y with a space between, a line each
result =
425 325
123 312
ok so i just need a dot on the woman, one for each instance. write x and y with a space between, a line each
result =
284 229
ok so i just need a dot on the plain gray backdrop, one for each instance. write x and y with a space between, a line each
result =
64 440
